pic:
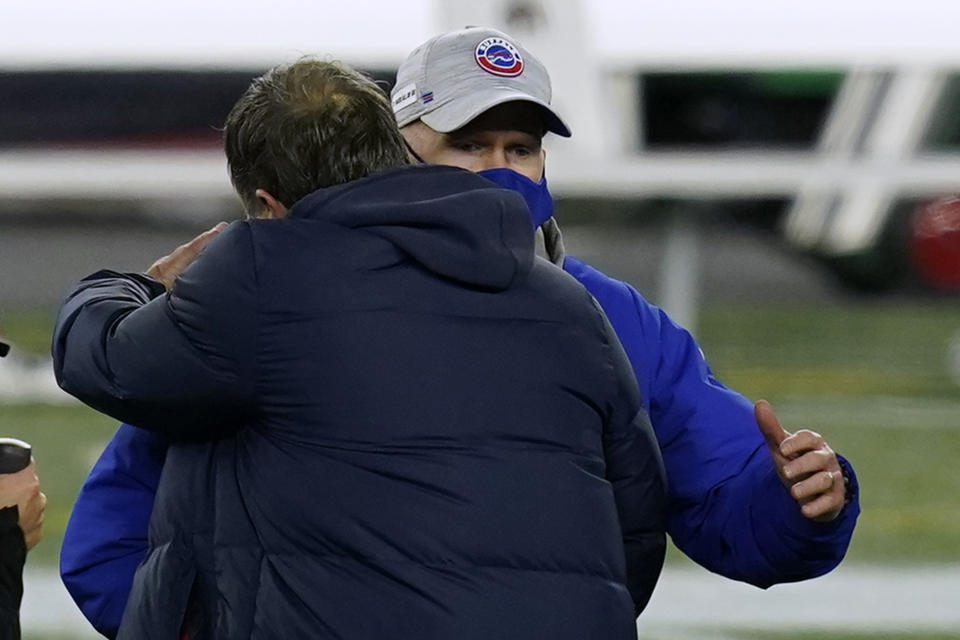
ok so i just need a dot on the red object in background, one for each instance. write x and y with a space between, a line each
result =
935 243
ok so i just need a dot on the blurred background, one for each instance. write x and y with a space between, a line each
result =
781 177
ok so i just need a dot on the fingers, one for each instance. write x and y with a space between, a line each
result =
183 255
32 506
826 506
821 496
31 519
186 254
32 538
814 476
819 483
810 463
18 488
806 464
167 268
769 425
802 441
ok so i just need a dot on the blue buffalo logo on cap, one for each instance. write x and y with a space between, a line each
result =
499 57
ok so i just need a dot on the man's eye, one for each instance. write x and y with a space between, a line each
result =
468 147
522 152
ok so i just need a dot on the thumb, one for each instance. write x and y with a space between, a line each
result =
769 426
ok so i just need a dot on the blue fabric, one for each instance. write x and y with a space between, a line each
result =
535 194
106 536
728 510
386 421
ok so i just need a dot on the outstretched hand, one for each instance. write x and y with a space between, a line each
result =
167 268
806 464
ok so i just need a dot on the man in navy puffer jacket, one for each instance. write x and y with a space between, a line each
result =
390 419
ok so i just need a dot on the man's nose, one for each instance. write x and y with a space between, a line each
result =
496 158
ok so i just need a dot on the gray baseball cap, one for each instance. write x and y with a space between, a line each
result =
451 79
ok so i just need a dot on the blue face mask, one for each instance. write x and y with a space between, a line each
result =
536 194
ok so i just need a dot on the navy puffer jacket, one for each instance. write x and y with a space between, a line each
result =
394 422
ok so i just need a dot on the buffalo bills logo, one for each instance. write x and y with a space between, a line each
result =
499 57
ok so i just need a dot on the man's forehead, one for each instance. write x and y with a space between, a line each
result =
522 116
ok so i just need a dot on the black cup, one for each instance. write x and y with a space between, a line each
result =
14 455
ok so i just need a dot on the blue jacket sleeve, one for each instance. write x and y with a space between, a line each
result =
728 510
106 536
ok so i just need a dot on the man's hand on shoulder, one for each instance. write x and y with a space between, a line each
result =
806 464
167 268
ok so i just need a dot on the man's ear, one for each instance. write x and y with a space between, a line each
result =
412 135
272 208
543 161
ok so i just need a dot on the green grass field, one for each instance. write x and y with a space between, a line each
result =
872 378
814 635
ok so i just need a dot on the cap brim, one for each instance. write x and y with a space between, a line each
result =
457 113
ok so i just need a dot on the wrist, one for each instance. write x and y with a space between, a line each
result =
851 488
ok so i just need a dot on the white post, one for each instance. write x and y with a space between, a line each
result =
680 269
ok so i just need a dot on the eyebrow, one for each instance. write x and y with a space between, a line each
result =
461 134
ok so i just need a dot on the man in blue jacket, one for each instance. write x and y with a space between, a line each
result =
388 418
733 507
748 500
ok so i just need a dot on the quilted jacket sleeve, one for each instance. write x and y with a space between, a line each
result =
635 471
180 363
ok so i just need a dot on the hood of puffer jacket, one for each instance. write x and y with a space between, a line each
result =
449 220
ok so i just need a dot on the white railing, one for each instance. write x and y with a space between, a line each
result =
896 57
